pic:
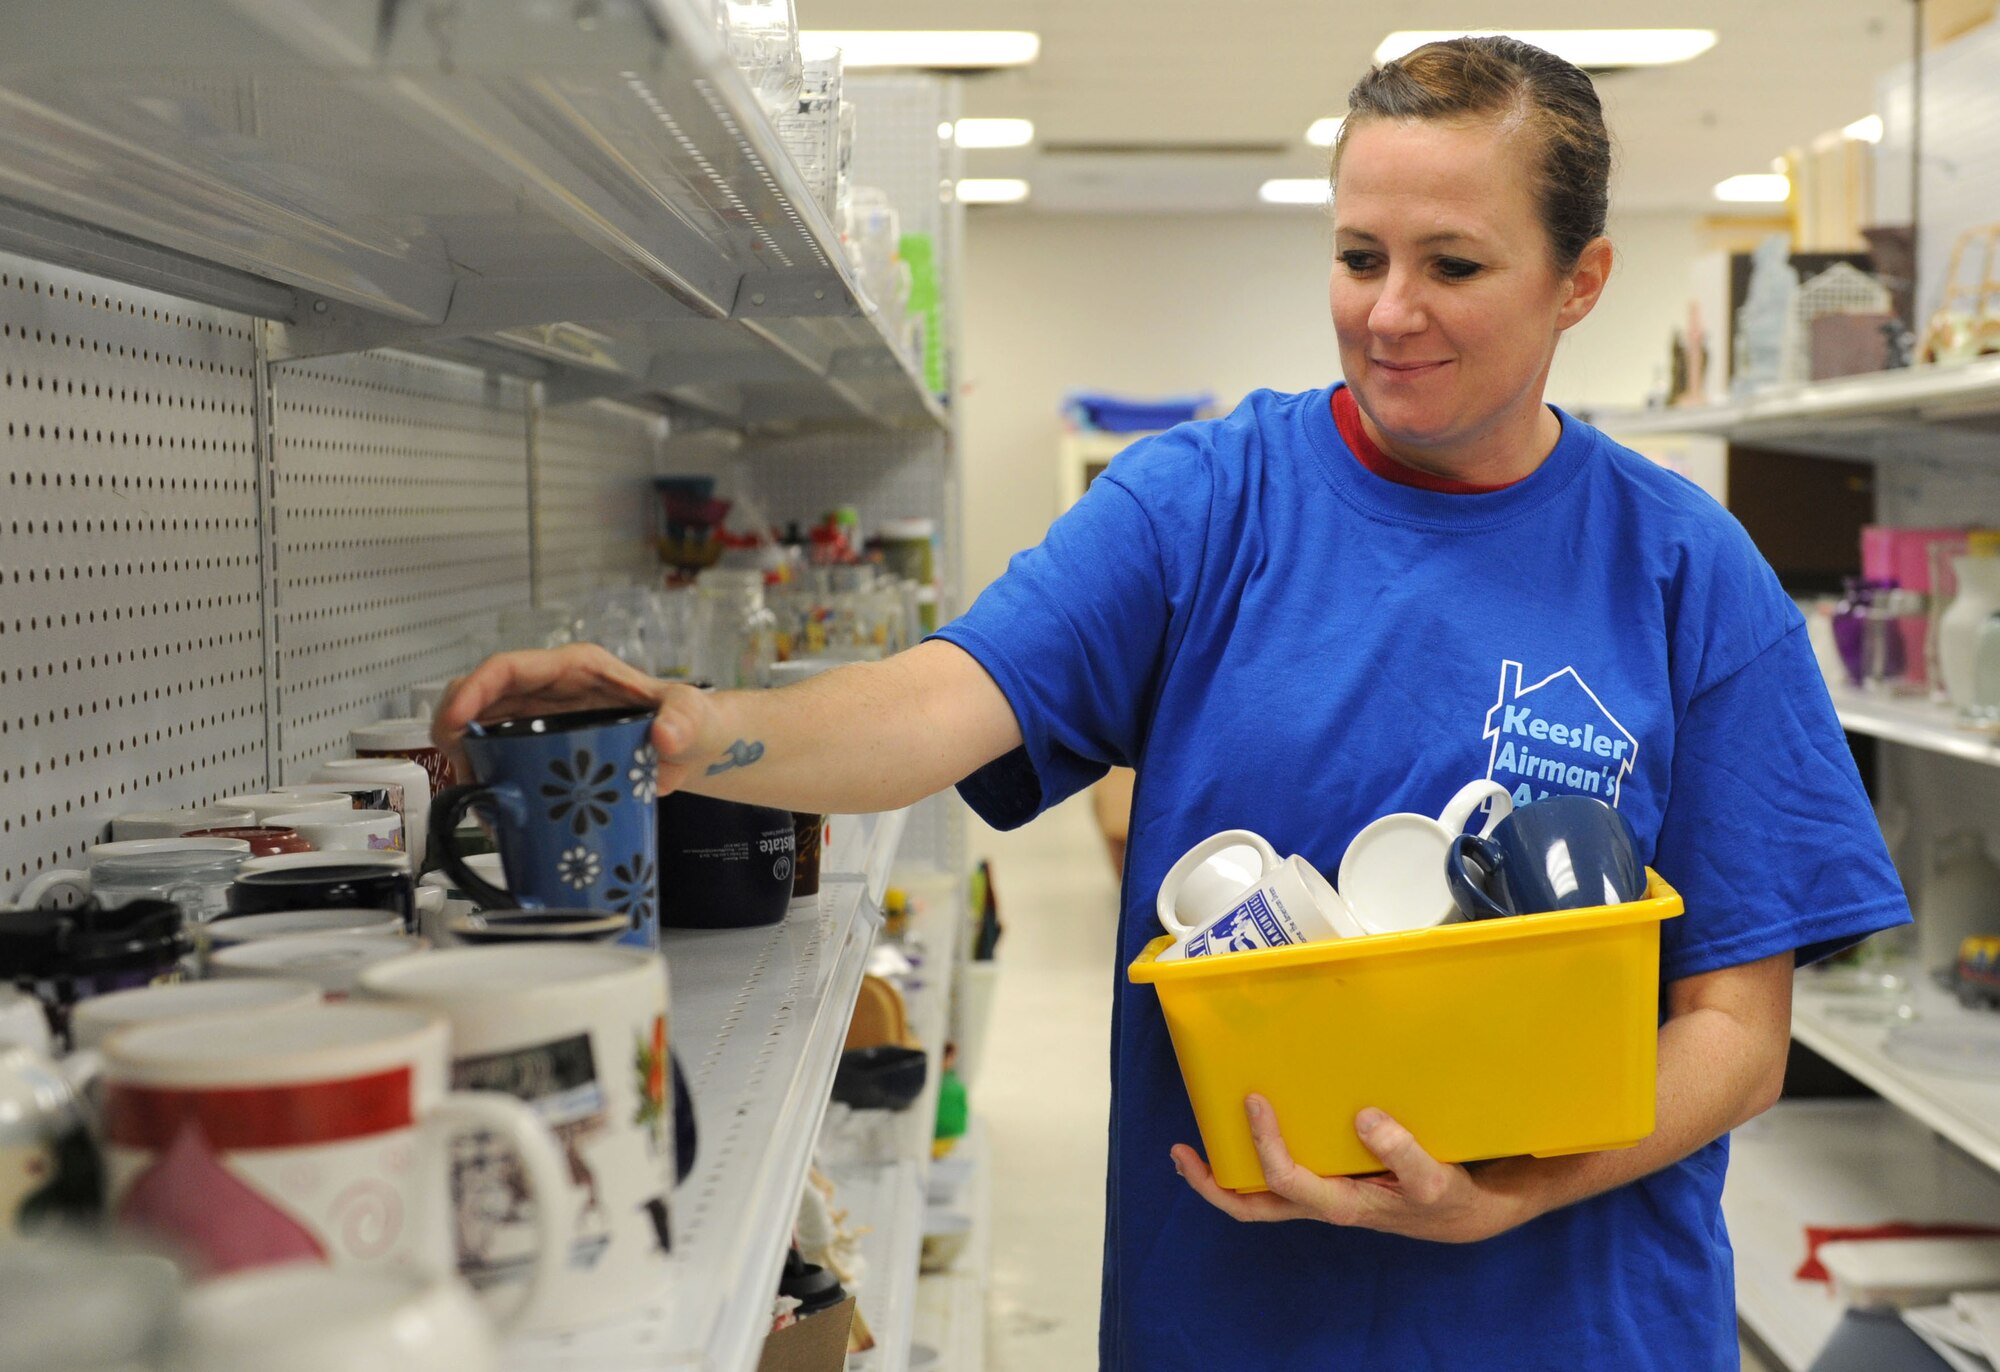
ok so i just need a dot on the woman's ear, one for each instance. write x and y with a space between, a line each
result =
1586 282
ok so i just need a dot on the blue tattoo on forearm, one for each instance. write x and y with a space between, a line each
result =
741 754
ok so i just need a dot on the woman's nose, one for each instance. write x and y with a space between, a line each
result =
1398 310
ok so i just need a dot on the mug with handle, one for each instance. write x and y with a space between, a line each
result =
1561 853
1393 872
579 1033
1212 876
572 798
324 1134
1288 903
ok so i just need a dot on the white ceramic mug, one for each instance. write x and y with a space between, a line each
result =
579 1031
194 873
391 771
264 804
344 830
333 962
227 933
307 1318
1288 903
322 1135
176 823
23 1022
1393 874
97 1019
1212 876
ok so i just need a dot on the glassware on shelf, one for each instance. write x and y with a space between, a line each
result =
874 235
736 633
1978 597
810 129
536 626
763 38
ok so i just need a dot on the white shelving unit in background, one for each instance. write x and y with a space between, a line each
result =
1831 1163
1918 411
951 1306
1929 1148
1914 722
887 1193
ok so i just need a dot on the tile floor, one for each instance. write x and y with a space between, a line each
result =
1043 1090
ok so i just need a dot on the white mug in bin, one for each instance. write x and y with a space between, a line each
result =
1285 901
1393 876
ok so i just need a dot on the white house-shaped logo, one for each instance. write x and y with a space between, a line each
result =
1556 735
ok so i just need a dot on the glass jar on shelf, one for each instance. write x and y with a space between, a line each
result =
738 632
763 38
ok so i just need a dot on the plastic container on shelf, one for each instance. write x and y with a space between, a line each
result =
1536 1034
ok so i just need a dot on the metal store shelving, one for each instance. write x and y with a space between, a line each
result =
594 186
758 1021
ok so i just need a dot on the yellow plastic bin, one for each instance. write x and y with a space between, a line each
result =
1536 1034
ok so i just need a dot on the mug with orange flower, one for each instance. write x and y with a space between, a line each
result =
579 1032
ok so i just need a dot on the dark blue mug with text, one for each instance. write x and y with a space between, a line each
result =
571 799
1562 853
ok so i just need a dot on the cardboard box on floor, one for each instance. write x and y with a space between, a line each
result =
817 1343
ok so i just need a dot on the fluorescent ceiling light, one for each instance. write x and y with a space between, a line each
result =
1323 131
978 48
1867 129
1594 48
995 133
994 190
1755 188
1302 190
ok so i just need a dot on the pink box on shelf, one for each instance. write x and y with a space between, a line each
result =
1901 555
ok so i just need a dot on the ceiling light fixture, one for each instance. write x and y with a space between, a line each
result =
992 190
1296 190
973 48
1593 49
1867 129
995 133
1322 132
1755 188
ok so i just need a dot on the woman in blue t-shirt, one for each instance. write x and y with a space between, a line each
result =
1334 605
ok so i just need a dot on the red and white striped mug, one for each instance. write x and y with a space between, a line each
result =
323 1134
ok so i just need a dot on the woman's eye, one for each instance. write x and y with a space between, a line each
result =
1357 262
1456 268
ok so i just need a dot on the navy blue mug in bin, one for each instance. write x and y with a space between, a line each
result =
571 799
1562 853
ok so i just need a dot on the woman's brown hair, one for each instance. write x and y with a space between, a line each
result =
1466 78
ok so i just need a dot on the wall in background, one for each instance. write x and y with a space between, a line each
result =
1159 304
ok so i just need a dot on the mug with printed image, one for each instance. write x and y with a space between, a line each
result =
1287 902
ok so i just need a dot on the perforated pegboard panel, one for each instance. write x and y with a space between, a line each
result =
399 516
130 614
896 143
593 499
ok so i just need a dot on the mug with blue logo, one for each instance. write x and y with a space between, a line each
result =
1282 902
571 798
1561 853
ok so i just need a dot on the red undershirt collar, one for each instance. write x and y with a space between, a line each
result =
1347 418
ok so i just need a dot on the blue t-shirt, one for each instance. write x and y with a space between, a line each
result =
1280 640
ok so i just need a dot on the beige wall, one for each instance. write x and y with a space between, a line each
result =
1155 304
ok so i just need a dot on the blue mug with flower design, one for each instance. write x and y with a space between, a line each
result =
571 800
